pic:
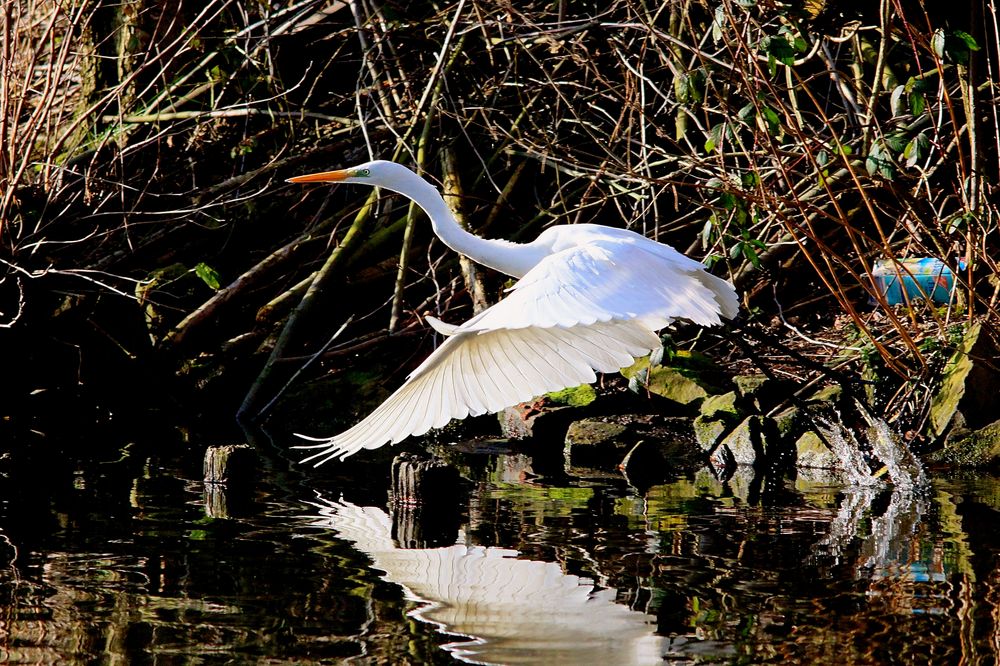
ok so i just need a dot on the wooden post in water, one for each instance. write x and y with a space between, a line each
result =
423 502
229 471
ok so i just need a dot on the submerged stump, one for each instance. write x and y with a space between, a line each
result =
229 472
417 480
424 502
230 464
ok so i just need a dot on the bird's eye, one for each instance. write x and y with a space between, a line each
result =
364 172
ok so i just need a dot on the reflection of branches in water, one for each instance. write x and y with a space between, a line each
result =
886 550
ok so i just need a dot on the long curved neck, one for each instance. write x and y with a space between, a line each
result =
514 259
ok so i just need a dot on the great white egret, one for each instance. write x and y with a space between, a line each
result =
588 298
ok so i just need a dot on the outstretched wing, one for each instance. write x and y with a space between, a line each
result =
630 278
585 309
476 372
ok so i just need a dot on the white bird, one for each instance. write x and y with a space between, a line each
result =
589 298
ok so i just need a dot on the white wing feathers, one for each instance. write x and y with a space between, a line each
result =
577 311
440 326
476 372
613 279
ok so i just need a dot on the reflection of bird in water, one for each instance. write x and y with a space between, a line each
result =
589 297
512 610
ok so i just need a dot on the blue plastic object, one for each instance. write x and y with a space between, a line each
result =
903 280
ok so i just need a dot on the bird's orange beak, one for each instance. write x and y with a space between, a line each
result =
322 177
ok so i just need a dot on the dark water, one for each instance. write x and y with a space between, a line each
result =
128 559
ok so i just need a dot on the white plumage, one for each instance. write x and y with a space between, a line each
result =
590 298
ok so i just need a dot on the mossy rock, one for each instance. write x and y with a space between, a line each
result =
591 432
718 415
788 420
793 422
595 448
744 444
812 453
749 385
720 407
754 392
952 389
666 382
722 461
969 395
979 449
545 416
656 460
757 442
832 393
708 432
574 396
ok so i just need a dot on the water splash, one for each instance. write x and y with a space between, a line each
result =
846 447
885 549
901 467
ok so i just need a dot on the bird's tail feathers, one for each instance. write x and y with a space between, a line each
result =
725 294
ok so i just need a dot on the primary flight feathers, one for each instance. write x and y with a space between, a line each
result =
590 298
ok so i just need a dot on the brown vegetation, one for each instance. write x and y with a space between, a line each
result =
143 147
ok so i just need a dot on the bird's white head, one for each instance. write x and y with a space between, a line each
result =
378 173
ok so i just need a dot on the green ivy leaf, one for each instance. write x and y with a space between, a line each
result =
714 137
773 121
682 87
718 23
781 50
968 39
958 46
895 141
956 224
916 149
896 100
879 162
208 275
741 215
918 85
751 255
